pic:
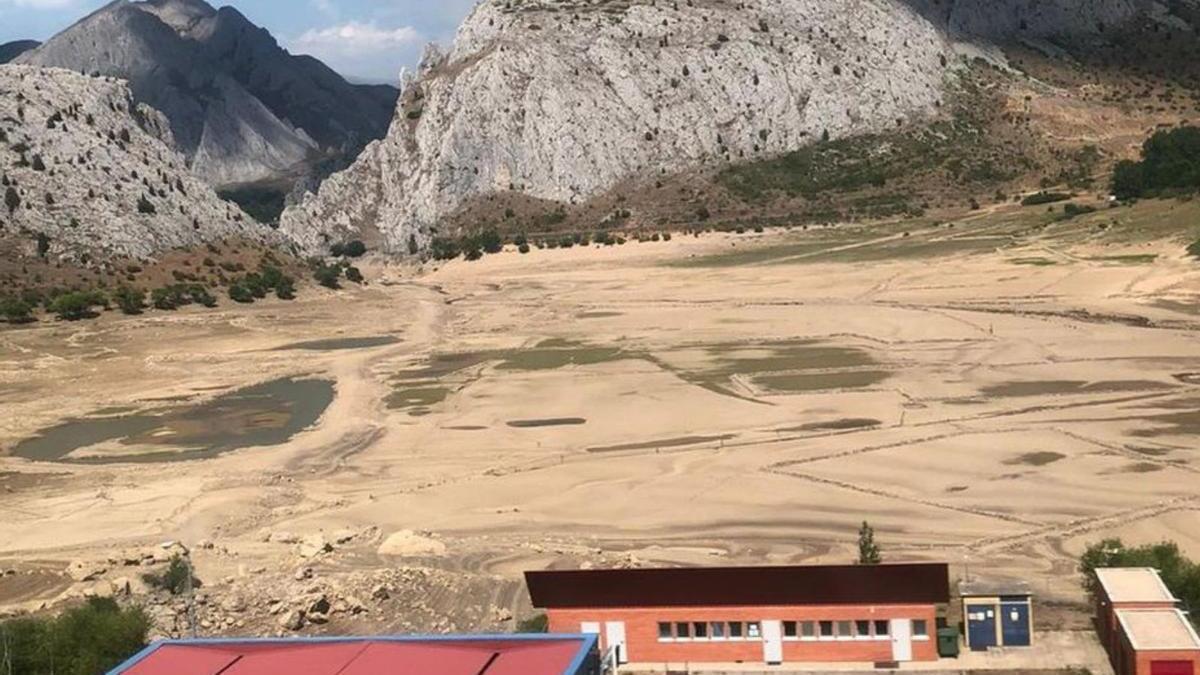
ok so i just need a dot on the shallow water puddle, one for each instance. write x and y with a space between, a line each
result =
340 344
263 415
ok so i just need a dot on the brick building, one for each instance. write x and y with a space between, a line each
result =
1141 626
867 614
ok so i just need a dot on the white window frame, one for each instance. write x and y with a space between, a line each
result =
920 638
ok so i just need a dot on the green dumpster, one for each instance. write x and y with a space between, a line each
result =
948 643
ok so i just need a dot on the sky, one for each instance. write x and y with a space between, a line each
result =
362 39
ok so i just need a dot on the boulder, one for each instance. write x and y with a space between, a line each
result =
80 570
293 620
409 544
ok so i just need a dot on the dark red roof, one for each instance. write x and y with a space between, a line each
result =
912 584
506 655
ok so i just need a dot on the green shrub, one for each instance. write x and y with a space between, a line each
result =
1073 210
12 199
85 640
356 249
76 305
16 310
145 206
201 296
354 275
130 300
444 249
523 248
538 623
1045 198
1194 249
240 294
285 288
176 579
166 298
328 276
1170 161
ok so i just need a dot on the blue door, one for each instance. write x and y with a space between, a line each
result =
981 627
1014 622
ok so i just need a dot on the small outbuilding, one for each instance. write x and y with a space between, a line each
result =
1157 642
1126 588
997 614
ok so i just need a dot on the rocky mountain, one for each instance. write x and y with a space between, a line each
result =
88 172
242 109
11 50
560 102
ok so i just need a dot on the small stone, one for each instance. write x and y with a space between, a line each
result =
293 620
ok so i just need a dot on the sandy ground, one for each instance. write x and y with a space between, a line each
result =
649 403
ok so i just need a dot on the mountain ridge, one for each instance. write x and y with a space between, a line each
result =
242 109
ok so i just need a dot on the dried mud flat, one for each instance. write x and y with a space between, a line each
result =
626 405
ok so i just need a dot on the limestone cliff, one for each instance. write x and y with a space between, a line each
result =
88 172
562 100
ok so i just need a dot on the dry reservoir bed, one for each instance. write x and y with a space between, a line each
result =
638 404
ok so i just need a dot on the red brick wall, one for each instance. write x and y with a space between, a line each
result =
641 633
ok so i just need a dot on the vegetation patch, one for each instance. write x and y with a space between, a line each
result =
1042 458
1170 164
92 638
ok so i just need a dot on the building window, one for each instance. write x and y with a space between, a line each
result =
735 630
683 631
789 629
826 629
862 629
664 631
718 630
808 630
883 629
920 628
700 630
753 630
845 630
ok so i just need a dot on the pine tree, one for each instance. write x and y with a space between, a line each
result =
868 550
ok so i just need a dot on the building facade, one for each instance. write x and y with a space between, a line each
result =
771 615
444 655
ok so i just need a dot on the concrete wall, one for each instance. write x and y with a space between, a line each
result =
644 646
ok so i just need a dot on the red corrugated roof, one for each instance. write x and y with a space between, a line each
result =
402 656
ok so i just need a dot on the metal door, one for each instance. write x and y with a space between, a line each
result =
902 648
1014 622
614 634
1172 668
981 627
772 632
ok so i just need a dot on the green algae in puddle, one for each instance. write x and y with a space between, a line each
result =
549 422
340 344
810 382
848 424
416 398
1063 387
680 442
263 415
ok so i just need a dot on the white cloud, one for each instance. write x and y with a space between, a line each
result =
38 4
355 38
361 49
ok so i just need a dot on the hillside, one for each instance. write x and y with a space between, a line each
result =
11 50
88 173
633 113
241 108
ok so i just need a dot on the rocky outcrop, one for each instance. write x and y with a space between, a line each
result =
241 108
89 172
562 101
